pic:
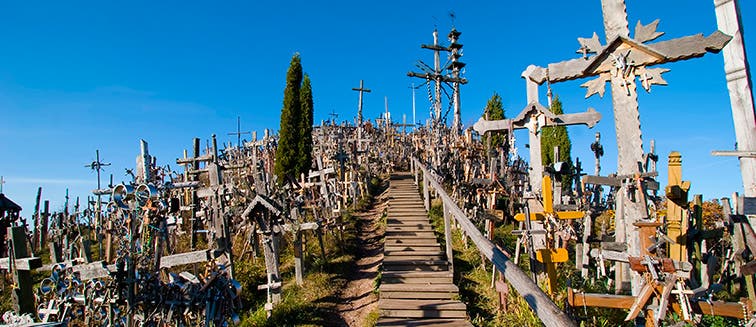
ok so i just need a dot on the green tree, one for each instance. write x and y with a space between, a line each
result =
495 111
557 136
291 113
305 128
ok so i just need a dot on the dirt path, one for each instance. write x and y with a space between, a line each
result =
357 299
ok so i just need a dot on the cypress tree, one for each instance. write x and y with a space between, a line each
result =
494 111
305 145
557 136
291 112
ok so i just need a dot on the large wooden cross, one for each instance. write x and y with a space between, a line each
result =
622 61
533 117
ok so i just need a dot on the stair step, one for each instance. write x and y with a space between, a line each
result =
412 248
405 253
411 288
415 322
391 259
403 304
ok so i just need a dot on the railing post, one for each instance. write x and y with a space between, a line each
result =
426 192
448 237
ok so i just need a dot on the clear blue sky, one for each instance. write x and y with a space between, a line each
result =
78 76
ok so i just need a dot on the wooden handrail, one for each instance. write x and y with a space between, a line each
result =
538 301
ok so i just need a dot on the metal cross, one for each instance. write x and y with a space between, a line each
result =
238 132
361 89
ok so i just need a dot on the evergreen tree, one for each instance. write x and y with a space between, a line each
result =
305 128
557 136
495 111
291 112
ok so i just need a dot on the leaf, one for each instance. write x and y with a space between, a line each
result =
648 32
596 85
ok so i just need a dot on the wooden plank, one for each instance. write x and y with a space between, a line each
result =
412 322
400 313
184 258
599 300
22 264
421 304
443 288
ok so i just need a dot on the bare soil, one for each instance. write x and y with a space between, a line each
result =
358 299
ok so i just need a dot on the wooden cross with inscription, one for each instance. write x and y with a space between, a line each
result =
622 61
533 117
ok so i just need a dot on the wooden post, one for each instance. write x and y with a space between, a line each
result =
426 192
677 196
448 237
739 86
43 226
298 268
23 295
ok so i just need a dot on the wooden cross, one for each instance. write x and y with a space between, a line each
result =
534 117
622 61
551 255
20 265
740 89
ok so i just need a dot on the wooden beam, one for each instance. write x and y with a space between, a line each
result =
22 264
599 300
184 258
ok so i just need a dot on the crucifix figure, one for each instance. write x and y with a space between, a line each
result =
624 61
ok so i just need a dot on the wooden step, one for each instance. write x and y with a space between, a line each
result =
411 228
409 288
411 242
391 259
419 274
405 223
416 280
404 253
440 305
415 322
411 248
409 235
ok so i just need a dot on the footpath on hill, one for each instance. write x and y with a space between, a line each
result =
357 303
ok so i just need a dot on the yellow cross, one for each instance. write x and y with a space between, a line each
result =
550 256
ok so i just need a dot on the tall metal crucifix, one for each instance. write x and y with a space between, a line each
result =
361 89
238 132
622 61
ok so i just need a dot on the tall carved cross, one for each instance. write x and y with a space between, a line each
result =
534 117
623 61
361 89
2 182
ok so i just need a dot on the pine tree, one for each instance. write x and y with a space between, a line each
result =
291 112
305 128
495 111
557 136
